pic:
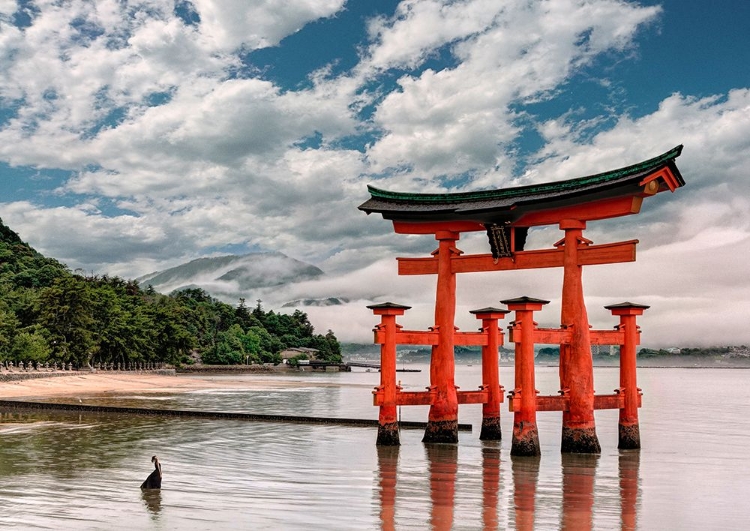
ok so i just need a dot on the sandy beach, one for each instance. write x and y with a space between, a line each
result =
79 385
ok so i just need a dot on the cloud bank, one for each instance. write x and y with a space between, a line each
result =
157 139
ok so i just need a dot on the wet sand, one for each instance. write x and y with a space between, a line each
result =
80 385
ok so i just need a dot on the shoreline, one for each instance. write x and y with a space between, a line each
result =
87 384
98 384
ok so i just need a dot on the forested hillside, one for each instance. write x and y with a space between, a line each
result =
47 313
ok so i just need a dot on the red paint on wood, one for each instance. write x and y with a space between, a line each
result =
415 398
628 421
608 253
413 337
552 336
470 338
615 401
408 227
490 363
444 408
473 397
606 337
385 394
576 366
524 417
667 178
603 209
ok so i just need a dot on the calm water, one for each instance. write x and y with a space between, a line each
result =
60 471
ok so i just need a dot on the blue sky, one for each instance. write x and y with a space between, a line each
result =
138 135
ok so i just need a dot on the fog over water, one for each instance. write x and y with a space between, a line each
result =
70 471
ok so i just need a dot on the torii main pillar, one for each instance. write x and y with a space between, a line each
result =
442 423
576 364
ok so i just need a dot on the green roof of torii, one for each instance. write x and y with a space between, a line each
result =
485 205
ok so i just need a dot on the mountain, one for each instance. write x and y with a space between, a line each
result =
329 301
232 276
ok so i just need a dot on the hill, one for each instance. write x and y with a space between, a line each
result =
48 314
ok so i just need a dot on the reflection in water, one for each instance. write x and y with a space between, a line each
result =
573 503
152 499
579 471
629 463
443 463
52 470
490 483
388 468
525 477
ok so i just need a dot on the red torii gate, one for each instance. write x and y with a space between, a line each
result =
506 215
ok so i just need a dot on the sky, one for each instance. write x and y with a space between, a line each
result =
139 135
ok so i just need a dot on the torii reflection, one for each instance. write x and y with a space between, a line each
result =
443 463
388 468
525 472
578 475
490 484
629 463
577 494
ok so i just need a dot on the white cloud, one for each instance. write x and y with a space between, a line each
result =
231 24
461 119
172 156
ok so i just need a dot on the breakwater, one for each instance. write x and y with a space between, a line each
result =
184 413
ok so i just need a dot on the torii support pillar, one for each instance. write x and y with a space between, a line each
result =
629 431
442 422
576 364
525 433
491 430
387 418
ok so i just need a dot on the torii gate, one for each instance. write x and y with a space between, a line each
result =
506 215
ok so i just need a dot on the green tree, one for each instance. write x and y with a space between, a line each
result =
8 326
66 313
251 345
229 349
30 346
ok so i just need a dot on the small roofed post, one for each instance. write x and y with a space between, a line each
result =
491 430
629 432
386 394
525 433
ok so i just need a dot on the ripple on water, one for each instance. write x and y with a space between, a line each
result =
74 471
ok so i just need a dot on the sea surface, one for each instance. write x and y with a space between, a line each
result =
70 471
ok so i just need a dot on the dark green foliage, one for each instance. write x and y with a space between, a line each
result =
66 313
48 313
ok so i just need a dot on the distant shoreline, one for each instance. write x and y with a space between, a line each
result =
112 383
